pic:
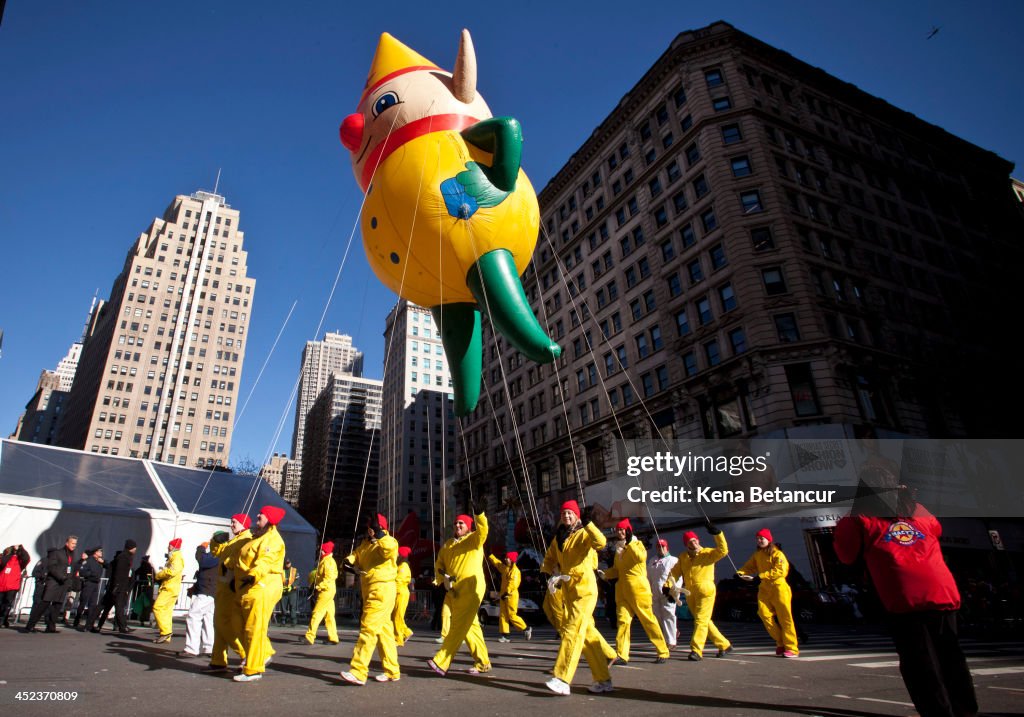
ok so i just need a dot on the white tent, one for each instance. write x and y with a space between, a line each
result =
48 493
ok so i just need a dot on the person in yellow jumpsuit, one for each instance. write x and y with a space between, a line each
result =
259 575
325 584
460 565
169 578
375 561
573 553
402 581
633 594
696 566
227 612
508 596
554 604
774 598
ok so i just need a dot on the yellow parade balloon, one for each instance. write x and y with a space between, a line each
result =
450 220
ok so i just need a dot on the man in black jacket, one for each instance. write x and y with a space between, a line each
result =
88 599
118 586
60 566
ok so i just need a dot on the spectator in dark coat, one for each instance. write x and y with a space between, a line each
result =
88 599
142 591
60 566
119 584
13 566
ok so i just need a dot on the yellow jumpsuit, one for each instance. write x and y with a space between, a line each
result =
169 578
377 559
698 574
774 597
554 604
511 578
402 631
463 559
325 582
227 612
261 559
577 559
633 598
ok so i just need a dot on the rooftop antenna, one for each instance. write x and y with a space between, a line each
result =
217 183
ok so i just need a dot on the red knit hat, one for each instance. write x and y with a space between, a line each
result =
405 551
663 543
272 513
688 536
327 548
243 519
176 544
512 556
382 522
571 505
765 533
465 519
624 524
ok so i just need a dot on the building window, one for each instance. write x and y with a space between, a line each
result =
721 104
675 286
762 238
692 154
738 341
683 322
648 384
712 353
656 343
700 186
688 236
660 216
643 349
731 134
690 363
695 271
704 311
714 78
751 202
661 373
679 200
740 166
655 186
668 251
801 389
709 221
673 171
686 122
718 259
727 297
679 97
786 328
774 284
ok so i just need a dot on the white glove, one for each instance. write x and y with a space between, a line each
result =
448 580
600 574
748 578
555 582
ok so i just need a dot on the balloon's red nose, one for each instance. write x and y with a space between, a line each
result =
352 132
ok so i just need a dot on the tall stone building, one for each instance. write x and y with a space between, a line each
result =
274 473
341 456
418 425
746 246
335 354
160 370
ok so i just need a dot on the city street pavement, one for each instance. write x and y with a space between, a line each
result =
841 671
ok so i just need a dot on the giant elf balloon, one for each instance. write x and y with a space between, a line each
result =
450 220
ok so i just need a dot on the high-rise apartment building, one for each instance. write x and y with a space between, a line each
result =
745 246
335 354
161 366
418 424
40 421
341 452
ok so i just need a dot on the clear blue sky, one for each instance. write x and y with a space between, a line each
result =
110 109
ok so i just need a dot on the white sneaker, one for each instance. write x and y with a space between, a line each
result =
528 633
268 660
438 640
600 687
384 678
247 678
349 677
557 686
503 639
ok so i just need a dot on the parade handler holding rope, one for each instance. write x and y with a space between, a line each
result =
376 563
460 566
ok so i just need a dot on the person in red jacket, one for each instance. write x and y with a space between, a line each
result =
899 541
13 565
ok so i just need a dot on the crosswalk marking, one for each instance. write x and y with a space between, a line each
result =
1016 669
896 663
875 699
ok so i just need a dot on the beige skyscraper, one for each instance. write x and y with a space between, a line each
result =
162 362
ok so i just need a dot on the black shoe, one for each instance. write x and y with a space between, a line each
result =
661 661
723 653
80 629
124 632
94 629
26 630
51 630
694 657
213 669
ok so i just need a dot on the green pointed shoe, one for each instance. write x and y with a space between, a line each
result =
460 334
494 282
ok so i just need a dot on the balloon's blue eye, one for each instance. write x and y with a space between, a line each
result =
388 99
